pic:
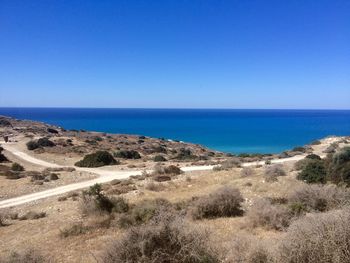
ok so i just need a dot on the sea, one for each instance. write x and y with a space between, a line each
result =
232 131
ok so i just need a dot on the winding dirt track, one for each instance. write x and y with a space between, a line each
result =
104 176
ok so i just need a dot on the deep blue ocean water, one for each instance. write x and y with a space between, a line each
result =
236 131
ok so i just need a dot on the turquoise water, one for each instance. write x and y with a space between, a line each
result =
235 131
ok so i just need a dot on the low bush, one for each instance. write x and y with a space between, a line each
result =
314 171
312 198
94 201
317 238
2 220
313 156
247 172
316 142
73 230
151 210
299 149
51 130
167 242
185 154
17 167
31 215
161 178
264 213
274 171
159 158
151 186
126 154
301 164
247 249
27 256
224 202
45 142
42 142
169 170
339 167
4 123
2 156
97 159
172 169
230 163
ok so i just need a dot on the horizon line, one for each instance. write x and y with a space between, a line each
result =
160 108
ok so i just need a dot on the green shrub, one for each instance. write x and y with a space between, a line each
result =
95 201
313 156
42 142
97 159
316 142
17 167
126 154
339 167
45 142
159 158
32 145
299 149
224 202
2 157
313 172
185 154
4 123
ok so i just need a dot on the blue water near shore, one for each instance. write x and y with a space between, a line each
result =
235 131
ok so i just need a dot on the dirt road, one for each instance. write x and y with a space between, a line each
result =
104 176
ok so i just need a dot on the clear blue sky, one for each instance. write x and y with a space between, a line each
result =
175 54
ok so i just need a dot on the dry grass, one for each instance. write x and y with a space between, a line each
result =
27 256
247 172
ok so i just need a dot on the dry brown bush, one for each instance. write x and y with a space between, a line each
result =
224 202
318 197
170 170
167 242
155 187
318 238
263 213
2 219
247 249
247 172
73 230
274 171
233 162
27 256
31 215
